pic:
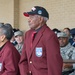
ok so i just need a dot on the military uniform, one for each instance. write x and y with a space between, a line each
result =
68 52
19 47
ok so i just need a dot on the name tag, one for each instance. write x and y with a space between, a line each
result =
38 51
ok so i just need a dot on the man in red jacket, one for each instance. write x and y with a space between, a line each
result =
42 56
9 56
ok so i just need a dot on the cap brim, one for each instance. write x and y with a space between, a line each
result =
27 14
18 35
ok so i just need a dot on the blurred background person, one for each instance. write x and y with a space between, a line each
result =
67 31
55 30
67 52
12 40
72 31
19 38
73 44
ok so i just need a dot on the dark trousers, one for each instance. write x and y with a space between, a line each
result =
67 72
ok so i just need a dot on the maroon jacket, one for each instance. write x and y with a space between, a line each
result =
9 58
44 57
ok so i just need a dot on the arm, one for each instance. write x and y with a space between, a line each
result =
10 64
67 65
54 60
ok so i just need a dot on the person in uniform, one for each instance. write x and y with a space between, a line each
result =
41 50
9 56
67 52
19 38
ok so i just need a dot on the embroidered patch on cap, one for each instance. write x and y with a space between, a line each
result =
33 8
39 12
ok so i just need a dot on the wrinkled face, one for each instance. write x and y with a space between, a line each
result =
19 39
63 41
34 21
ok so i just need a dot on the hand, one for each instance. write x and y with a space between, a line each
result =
67 65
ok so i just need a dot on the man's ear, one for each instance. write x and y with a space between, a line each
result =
3 37
41 19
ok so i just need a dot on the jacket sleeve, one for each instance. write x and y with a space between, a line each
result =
11 63
54 59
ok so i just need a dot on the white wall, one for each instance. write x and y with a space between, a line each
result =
7 11
62 12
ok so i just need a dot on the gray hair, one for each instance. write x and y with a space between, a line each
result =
7 31
45 19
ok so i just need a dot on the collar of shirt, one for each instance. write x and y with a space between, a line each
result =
38 29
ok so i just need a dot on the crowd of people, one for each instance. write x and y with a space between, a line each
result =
39 51
70 33
66 39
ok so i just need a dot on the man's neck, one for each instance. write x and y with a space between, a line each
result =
3 42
